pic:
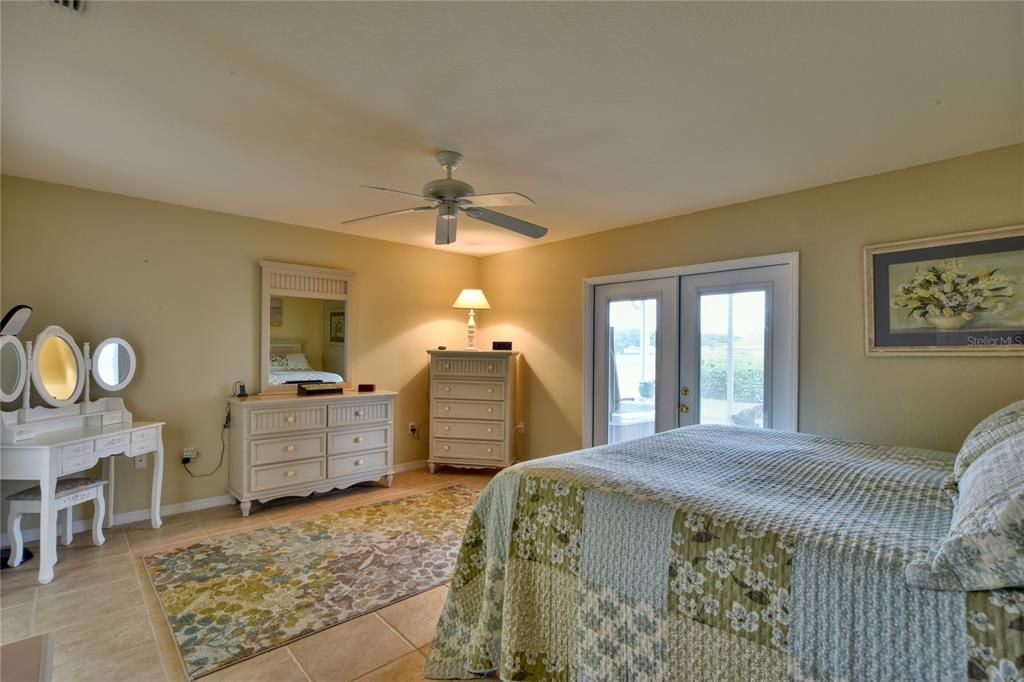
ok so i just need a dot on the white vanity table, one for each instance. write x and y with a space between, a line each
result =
43 443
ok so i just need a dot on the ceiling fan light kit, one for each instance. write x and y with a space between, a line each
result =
449 196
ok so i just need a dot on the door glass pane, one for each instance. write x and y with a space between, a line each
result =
632 357
732 358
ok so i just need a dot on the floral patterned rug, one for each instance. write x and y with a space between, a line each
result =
233 598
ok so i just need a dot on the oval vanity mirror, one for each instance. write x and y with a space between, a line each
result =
57 365
113 364
13 369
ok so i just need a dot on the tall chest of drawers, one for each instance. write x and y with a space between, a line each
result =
472 408
283 445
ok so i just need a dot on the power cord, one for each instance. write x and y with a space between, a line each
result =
416 433
223 447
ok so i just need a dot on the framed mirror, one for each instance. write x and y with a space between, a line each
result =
304 326
113 364
58 368
13 368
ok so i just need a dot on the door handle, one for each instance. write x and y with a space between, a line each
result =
684 408
685 390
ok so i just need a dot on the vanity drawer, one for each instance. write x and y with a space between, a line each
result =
285 475
466 390
341 442
78 457
348 465
118 442
288 419
287 449
143 441
456 409
359 412
476 430
76 450
468 367
468 450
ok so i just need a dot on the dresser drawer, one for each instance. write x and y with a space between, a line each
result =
468 450
348 465
144 441
118 442
466 390
360 412
457 409
370 438
287 449
474 430
72 462
468 367
285 475
288 419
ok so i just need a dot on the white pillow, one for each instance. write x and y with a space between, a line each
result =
297 361
990 431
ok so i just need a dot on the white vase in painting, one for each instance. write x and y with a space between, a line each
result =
947 324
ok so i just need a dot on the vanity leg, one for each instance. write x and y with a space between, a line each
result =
17 542
98 514
158 481
245 506
67 532
47 527
109 465
388 479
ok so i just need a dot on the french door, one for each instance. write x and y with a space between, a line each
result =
707 348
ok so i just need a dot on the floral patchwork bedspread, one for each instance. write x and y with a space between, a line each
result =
718 553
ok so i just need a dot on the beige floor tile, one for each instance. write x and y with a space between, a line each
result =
103 637
15 623
408 668
349 650
274 666
138 664
416 618
69 576
229 520
83 605
81 547
162 631
171 520
152 540
19 592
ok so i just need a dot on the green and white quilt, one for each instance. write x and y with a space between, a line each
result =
719 553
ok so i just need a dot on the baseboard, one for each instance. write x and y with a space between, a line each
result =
32 534
410 466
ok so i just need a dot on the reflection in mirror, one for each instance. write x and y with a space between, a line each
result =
307 340
58 368
112 364
12 367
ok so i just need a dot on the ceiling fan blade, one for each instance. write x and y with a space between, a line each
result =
506 221
398 191
444 232
499 199
398 212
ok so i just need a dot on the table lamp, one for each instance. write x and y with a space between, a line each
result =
471 300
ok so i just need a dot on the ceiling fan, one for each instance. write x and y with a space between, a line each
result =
449 197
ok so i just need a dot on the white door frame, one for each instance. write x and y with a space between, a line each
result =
790 258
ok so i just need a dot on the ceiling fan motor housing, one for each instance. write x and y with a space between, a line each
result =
447 189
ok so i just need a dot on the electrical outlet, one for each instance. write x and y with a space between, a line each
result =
521 427
140 462
190 454
412 429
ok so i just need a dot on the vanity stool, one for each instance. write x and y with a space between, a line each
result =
69 492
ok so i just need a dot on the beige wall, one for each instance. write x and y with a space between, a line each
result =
537 299
303 319
182 285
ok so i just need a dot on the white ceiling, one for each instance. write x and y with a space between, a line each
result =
607 114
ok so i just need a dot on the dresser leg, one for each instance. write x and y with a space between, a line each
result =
431 467
388 479
245 507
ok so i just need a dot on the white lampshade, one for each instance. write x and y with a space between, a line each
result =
472 299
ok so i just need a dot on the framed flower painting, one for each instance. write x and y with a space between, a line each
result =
960 294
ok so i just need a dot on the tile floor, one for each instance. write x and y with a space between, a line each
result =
109 627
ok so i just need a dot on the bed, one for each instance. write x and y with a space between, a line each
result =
289 364
719 553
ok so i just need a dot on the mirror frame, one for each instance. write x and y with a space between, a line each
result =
301 281
113 341
37 379
19 348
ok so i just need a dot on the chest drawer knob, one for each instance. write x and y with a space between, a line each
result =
490 410
358 462
447 428
490 450
357 439
447 365
448 389
447 448
290 448
448 408
290 419
290 474
490 367
490 390
359 413
490 430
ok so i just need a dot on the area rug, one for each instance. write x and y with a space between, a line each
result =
233 598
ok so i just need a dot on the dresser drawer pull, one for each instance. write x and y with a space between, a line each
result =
290 448
357 439
490 410
490 450
447 447
448 389
291 420
290 474
447 365
359 413
490 367
358 462
448 408
490 390
490 430
447 428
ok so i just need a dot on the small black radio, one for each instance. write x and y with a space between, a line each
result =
501 345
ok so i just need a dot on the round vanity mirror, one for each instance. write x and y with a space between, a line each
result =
13 369
57 367
113 364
